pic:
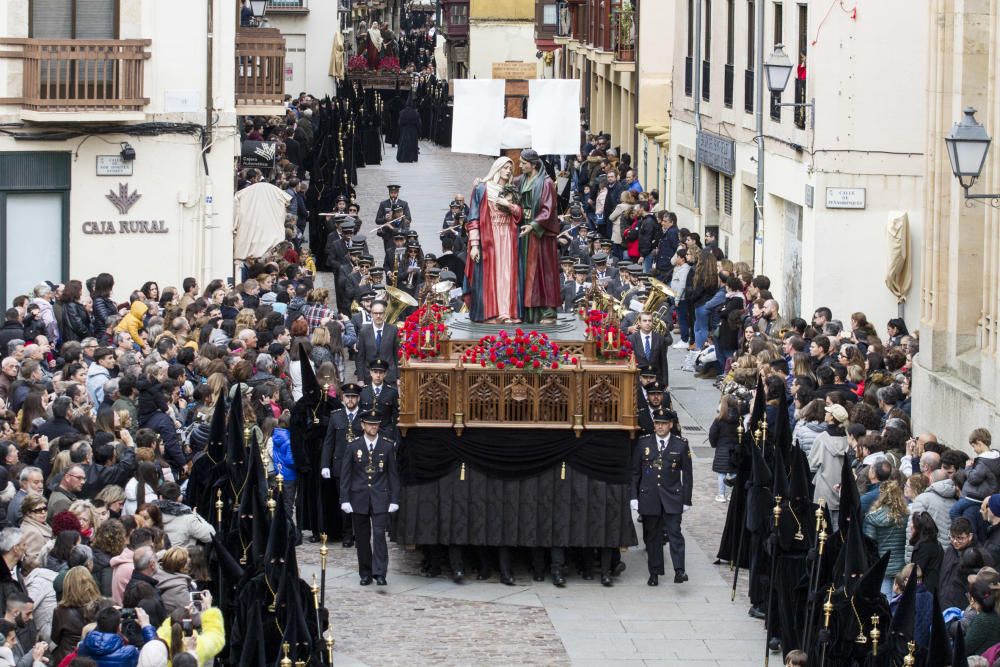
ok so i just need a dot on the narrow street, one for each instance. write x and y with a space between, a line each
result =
435 621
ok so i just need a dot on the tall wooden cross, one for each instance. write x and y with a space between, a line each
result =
515 74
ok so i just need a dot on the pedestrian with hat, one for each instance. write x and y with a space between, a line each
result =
577 288
826 459
662 489
652 394
380 396
369 492
343 431
385 206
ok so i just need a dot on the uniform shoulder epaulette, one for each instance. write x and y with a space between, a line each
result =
388 440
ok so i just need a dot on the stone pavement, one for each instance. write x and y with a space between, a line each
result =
415 620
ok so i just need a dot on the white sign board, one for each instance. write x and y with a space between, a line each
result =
845 198
113 165
478 116
554 114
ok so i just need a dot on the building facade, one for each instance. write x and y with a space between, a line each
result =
499 30
957 372
309 28
599 40
121 137
455 30
835 175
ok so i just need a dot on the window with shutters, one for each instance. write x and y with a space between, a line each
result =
74 19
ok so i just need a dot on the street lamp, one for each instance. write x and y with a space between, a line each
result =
777 70
968 144
258 7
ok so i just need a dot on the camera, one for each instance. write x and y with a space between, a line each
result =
187 626
195 600
128 614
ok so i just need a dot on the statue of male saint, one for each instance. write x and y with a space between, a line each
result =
539 249
493 289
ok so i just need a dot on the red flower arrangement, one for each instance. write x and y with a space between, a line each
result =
612 341
389 63
358 62
422 332
527 350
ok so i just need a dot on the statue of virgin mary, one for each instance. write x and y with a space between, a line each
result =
493 290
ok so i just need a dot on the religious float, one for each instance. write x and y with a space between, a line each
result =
516 434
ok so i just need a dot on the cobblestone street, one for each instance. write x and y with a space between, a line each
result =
416 620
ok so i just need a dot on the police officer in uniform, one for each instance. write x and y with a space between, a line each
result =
654 401
343 430
380 396
661 492
369 489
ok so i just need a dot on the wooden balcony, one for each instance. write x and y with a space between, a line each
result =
260 72
80 79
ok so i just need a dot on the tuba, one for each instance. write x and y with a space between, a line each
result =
658 295
399 301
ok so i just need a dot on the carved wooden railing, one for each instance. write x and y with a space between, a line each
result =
74 75
587 396
260 67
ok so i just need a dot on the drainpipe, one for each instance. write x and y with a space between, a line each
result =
206 143
758 241
635 93
697 108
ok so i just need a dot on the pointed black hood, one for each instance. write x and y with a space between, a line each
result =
311 390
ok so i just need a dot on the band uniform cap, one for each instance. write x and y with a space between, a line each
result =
581 268
430 257
647 371
366 260
455 204
378 365
446 275
342 198
397 207
567 260
601 258
373 416
393 186
435 271
412 234
350 389
606 243
654 388
664 415
399 235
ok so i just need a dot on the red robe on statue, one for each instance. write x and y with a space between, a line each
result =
492 286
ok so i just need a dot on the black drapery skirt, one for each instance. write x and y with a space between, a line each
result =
528 488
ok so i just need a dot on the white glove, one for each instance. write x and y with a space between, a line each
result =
325 473
393 507
346 507
634 505
687 507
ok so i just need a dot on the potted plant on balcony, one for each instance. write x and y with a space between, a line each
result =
626 34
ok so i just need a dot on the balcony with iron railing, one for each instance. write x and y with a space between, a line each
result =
260 71
727 87
80 79
290 6
748 91
688 75
623 31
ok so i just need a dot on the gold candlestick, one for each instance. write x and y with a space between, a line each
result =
286 661
911 659
777 510
218 506
271 504
329 647
315 591
324 550
280 482
828 607
875 634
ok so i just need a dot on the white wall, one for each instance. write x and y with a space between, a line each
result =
168 168
314 31
496 41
